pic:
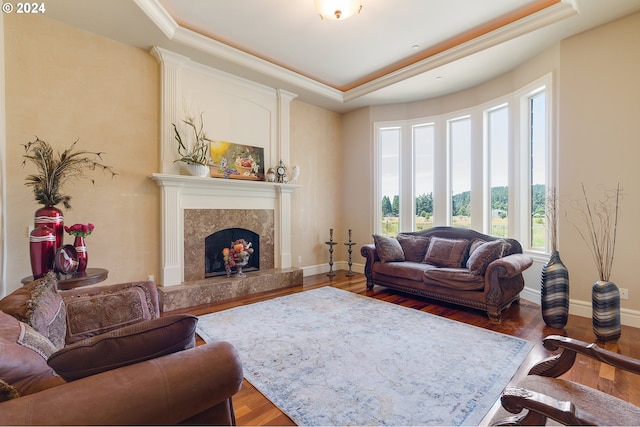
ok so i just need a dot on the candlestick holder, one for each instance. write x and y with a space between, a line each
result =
350 244
331 243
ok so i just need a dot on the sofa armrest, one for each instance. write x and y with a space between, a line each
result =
94 310
167 390
370 254
510 265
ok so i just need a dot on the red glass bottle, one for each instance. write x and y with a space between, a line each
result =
81 249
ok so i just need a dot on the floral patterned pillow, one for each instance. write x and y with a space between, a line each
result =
39 305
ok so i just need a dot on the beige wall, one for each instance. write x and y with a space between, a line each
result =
67 84
597 86
64 84
600 145
316 146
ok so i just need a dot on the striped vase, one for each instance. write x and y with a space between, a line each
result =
605 305
554 292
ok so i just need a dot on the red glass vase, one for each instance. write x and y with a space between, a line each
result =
50 216
81 249
42 249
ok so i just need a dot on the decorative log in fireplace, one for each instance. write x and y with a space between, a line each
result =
216 242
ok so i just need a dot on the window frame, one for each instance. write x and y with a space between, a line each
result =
519 188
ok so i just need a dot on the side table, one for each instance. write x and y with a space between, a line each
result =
70 281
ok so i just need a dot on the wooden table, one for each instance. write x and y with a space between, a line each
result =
77 279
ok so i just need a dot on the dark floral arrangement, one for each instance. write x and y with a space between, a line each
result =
238 253
79 229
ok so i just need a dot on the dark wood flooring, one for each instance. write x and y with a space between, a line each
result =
522 320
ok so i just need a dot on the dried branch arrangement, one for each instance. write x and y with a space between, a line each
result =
601 219
551 212
55 169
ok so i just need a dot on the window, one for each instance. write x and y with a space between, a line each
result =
538 169
460 171
390 180
423 141
486 167
497 124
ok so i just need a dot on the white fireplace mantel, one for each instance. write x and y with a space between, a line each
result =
180 192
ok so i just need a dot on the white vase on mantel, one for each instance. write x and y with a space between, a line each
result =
198 170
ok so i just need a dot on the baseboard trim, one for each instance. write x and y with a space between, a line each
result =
338 265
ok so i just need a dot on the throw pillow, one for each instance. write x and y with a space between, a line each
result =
34 341
21 367
484 255
414 247
388 248
126 346
475 244
446 252
39 305
92 312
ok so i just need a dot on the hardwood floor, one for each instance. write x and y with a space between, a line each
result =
523 320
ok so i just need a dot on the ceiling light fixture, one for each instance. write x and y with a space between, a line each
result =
337 10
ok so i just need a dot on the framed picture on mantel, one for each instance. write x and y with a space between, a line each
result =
236 161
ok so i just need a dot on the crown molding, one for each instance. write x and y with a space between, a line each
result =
536 21
188 38
174 32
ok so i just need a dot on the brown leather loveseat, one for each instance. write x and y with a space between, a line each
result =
451 264
103 356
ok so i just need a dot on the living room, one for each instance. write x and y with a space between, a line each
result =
51 67
64 83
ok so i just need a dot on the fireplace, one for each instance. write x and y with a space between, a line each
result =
214 244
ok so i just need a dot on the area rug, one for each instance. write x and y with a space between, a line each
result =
331 357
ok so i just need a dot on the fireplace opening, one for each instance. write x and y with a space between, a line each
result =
216 242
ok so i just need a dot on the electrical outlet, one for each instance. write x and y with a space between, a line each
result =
624 293
300 259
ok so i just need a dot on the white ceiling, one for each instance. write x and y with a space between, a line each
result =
393 51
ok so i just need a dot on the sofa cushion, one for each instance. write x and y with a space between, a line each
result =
413 247
454 278
388 248
21 367
405 270
126 346
39 305
446 252
93 313
484 255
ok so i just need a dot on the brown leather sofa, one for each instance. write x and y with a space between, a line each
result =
455 265
103 355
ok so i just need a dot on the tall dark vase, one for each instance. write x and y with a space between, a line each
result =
605 304
554 292
42 242
50 216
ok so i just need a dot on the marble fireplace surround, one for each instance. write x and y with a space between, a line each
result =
193 208
183 194
200 223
